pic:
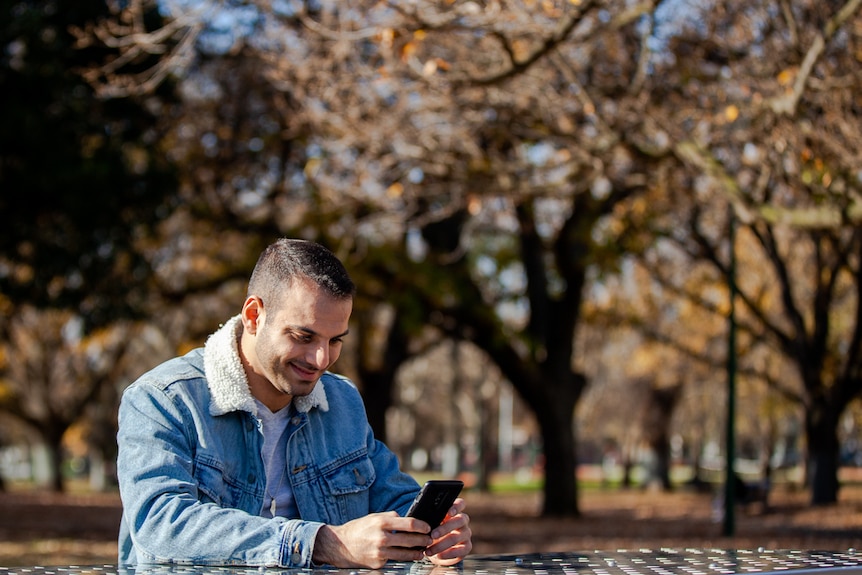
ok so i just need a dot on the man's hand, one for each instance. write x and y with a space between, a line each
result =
453 538
372 540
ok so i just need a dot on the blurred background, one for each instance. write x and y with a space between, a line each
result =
613 240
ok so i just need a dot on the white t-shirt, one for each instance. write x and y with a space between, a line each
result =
278 497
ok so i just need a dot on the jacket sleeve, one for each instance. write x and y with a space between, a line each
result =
394 489
166 518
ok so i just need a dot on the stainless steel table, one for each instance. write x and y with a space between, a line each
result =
623 562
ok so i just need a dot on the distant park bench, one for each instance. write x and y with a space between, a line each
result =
750 493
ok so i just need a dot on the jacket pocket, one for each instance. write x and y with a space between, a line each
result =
215 484
349 485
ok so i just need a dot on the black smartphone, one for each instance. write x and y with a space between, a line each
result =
434 500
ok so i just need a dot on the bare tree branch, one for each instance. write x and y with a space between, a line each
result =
815 217
787 104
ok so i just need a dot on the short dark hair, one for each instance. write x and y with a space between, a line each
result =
287 259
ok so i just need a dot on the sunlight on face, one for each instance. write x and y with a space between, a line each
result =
300 339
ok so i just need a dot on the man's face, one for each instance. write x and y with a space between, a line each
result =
296 343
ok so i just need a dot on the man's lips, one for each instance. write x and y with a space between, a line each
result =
305 373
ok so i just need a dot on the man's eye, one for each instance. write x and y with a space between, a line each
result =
302 337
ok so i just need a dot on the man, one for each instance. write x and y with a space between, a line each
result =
249 452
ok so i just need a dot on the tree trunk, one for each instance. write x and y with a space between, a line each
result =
487 453
660 407
556 422
377 394
55 464
377 367
661 449
823 454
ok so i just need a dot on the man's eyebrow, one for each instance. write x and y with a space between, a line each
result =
310 331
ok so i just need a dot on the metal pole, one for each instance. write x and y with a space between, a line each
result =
730 476
504 433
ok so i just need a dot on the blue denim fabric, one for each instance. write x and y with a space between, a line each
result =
192 483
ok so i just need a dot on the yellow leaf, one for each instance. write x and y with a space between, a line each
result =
731 113
311 167
550 9
396 190
521 49
408 50
785 78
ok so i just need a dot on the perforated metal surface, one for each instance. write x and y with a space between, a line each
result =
626 562
682 562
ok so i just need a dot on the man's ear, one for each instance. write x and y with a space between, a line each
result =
252 314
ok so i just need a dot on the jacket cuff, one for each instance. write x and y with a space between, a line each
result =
298 544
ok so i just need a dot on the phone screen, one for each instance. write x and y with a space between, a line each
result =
434 500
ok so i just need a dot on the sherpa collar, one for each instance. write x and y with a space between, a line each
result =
227 380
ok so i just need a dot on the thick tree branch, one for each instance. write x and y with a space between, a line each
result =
518 66
787 103
815 217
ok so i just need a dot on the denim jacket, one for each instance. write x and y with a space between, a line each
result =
191 473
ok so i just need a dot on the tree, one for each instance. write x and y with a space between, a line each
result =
51 372
778 157
383 347
481 154
83 181
82 178
533 161
797 309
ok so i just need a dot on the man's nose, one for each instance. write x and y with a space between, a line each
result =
320 357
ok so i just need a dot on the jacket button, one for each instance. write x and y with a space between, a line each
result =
296 558
360 479
251 478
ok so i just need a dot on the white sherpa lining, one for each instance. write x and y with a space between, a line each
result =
227 380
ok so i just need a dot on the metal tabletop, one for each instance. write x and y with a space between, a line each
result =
622 562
